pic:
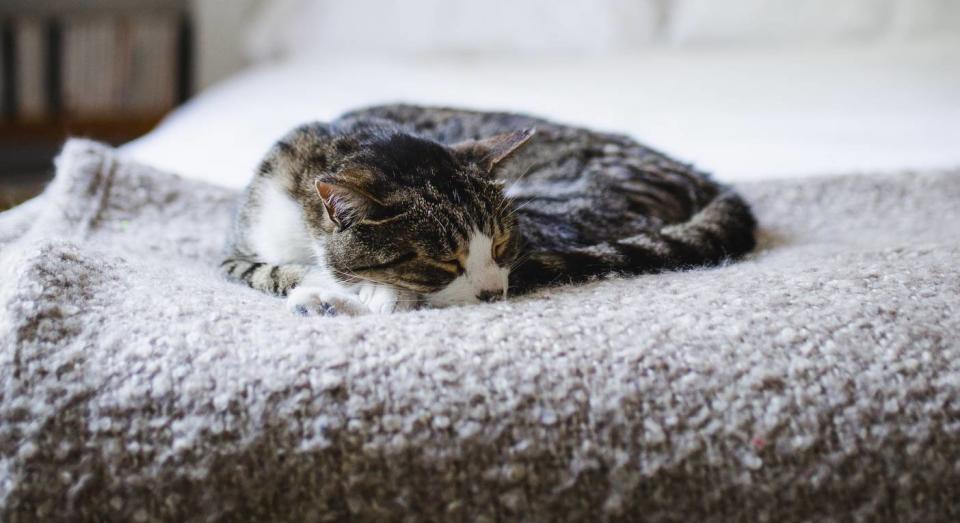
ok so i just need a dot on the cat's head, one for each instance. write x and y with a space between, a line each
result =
408 212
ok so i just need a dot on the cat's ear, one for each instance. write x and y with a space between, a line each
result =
345 202
487 153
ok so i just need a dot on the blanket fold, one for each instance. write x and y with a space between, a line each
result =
817 379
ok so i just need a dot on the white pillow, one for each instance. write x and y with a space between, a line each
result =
776 21
389 28
415 28
926 18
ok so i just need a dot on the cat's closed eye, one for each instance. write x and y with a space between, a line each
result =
500 247
451 265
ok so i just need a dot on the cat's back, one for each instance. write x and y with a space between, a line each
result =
553 143
605 175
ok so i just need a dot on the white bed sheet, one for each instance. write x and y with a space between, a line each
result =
740 114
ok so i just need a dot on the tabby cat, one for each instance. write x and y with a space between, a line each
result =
395 207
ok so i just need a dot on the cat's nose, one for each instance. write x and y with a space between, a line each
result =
490 295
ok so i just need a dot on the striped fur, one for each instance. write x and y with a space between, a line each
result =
264 277
722 230
593 203
392 196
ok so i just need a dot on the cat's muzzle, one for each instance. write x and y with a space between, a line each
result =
489 296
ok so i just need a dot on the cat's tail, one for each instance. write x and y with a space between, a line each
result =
264 277
721 230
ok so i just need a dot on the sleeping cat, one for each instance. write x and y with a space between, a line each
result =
395 207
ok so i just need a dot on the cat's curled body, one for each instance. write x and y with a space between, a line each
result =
393 207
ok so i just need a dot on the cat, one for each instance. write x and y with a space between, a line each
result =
396 207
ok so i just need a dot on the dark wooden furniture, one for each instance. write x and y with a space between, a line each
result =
27 145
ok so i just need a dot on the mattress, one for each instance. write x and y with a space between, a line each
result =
742 114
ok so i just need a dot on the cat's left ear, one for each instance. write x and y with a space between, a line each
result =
345 203
487 153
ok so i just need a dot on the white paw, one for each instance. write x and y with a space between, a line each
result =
384 300
312 301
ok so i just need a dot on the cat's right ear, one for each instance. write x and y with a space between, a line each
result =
344 205
487 153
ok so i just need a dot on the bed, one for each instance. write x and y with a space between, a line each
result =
818 379
741 114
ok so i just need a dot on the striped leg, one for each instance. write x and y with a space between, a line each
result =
264 277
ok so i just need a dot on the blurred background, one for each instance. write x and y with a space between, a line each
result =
747 89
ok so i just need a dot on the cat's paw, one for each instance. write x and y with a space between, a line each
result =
307 301
385 300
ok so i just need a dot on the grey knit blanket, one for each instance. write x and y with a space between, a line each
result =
819 379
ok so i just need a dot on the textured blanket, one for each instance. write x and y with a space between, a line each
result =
819 379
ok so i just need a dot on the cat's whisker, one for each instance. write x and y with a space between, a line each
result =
519 179
516 209
439 223
505 205
351 275
508 207
520 260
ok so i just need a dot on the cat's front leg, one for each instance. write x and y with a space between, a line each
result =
320 295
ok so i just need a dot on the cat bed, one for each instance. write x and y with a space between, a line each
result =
819 377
